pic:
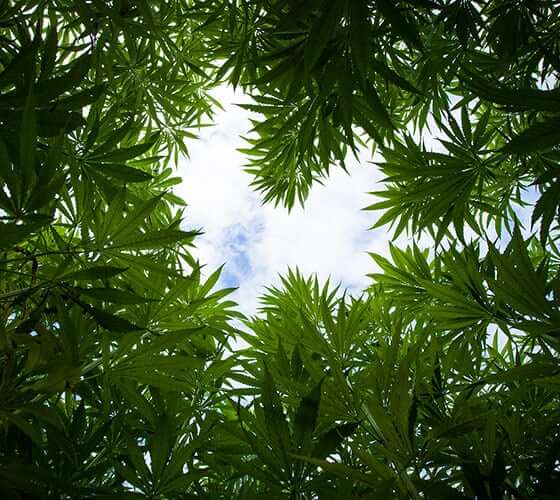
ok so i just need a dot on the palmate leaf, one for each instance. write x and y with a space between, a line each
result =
28 138
13 233
275 419
516 99
331 440
118 372
343 471
94 273
376 106
156 239
540 136
399 23
305 420
110 321
121 172
18 64
390 75
359 37
60 191
114 295
321 31
546 209
433 190
522 373
122 154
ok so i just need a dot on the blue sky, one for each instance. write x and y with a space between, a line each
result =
329 237
256 242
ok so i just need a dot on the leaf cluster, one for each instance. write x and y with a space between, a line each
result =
118 372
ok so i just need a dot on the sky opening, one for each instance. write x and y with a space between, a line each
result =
257 242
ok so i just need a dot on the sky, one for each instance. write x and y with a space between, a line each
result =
257 242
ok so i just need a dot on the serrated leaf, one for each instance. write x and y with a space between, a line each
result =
94 273
110 321
399 23
122 154
28 140
329 442
48 56
341 470
134 219
359 37
160 238
121 172
540 136
114 295
321 31
12 233
305 419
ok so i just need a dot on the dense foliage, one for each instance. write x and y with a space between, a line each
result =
118 373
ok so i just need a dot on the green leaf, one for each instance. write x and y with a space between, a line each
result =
329 442
276 421
522 373
51 123
392 76
81 99
48 56
540 136
28 140
132 222
359 37
305 419
94 273
122 154
321 32
157 239
517 99
341 470
110 321
14 233
546 208
121 172
114 295
53 88
377 107
21 62
399 23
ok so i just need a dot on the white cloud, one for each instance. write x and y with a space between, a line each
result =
330 236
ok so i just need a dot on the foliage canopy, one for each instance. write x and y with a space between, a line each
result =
118 374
